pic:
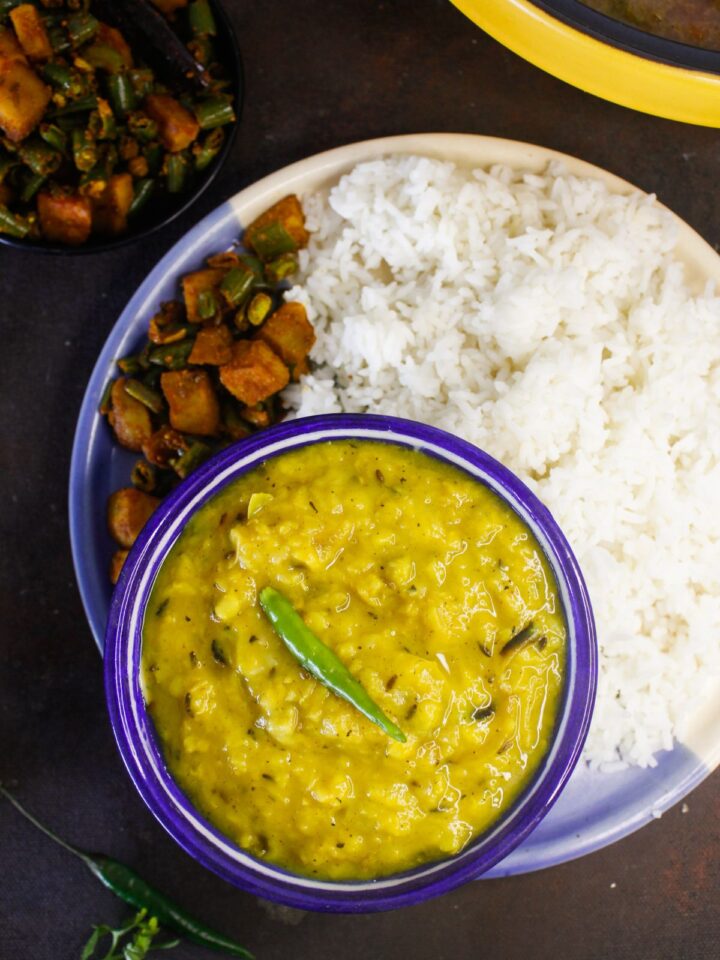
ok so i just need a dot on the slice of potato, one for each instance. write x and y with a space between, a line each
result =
110 209
213 345
254 373
193 284
178 127
290 214
129 418
289 332
31 32
64 218
128 511
193 403
23 98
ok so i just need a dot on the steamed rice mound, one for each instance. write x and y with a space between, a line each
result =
546 320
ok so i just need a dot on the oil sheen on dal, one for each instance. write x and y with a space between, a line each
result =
417 576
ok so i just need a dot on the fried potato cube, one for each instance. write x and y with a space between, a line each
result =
128 511
64 218
110 209
254 373
164 446
193 403
195 284
129 418
10 49
23 98
289 213
31 32
116 564
178 128
213 345
289 332
113 38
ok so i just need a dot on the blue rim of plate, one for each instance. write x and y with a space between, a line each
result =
596 809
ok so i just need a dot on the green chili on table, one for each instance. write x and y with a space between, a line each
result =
320 661
133 890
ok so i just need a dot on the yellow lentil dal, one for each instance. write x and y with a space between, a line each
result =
418 577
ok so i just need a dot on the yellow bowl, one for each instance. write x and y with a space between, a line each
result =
606 58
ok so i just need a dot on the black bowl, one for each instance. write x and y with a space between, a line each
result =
162 213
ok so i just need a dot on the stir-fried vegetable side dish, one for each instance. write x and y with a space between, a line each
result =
354 658
211 368
90 137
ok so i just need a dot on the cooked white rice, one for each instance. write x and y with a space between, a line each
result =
545 320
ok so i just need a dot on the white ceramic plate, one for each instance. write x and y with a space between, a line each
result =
596 808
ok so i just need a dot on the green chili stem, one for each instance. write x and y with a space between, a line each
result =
320 661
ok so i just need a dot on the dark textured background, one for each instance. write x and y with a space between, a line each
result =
319 73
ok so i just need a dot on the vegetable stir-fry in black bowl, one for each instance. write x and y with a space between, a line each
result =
114 117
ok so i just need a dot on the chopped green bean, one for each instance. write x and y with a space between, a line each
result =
142 192
259 308
102 56
39 156
130 365
102 121
85 152
81 27
236 285
207 304
32 183
53 136
142 127
59 40
172 355
213 112
272 240
12 224
154 154
253 264
150 398
281 268
201 19
205 152
177 172
121 94
68 81
195 454
84 104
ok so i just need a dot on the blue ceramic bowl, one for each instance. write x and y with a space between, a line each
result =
136 736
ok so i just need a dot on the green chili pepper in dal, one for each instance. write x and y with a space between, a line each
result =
320 660
130 887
